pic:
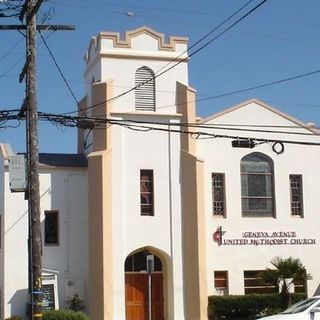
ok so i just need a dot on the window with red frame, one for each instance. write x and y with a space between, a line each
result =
146 193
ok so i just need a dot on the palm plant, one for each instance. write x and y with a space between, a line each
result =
286 272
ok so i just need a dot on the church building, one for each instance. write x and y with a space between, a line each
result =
161 208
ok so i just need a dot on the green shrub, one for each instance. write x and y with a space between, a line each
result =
64 315
14 318
76 304
246 306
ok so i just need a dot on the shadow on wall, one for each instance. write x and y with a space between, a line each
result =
19 303
69 256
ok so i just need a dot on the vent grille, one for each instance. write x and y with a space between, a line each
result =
145 91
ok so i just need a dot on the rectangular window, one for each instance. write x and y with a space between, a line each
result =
296 195
146 193
221 281
254 284
51 228
300 286
218 194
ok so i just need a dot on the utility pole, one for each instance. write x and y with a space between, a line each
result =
29 110
33 164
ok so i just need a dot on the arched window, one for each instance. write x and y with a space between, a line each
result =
137 262
257 186
145 93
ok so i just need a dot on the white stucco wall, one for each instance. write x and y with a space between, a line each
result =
123 74
159 151
15 222
133 151
108 61
63 190
220 157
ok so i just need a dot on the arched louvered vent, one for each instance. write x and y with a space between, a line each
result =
145 95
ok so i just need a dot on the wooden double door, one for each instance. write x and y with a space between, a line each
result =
136 286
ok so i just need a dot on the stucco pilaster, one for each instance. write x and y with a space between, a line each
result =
100 210
100 236
193 217
81 132
101 93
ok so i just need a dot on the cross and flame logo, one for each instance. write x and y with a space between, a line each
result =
217 235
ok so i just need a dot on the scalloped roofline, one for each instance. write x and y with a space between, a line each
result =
264 105
118 42
126 42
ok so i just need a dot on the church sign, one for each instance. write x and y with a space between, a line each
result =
50 290
261 238
48 297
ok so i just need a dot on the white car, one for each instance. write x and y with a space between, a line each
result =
308 309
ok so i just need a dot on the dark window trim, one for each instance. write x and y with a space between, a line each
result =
249 214
56 213
143 206
218 277
224 210
301 211
252 283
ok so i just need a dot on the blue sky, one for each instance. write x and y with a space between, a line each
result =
278 41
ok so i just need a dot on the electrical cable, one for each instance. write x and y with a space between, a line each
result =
139 7
10 7
180 61
144 126
263 85
74 122
10 68
59 69
6 54
307 74
222 127
12 114
205 36
230 93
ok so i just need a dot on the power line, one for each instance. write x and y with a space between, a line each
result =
183 11
204 37
132 15
166 127
128 7
2 75
6 54
202 131
10 68
180 61
263 85
96 122
230 93
10 6
59 69
28 14
12 114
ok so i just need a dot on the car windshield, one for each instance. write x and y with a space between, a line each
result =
300 306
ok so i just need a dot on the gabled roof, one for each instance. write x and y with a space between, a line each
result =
263 105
